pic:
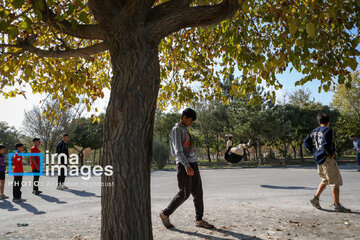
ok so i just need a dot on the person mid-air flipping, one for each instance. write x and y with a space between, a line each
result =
235 154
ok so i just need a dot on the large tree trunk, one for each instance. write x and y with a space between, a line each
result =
128 134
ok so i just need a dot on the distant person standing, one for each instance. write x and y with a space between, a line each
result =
62 148
2 172
320 143
356 142
35 165
188 174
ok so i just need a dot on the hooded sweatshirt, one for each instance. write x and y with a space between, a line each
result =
320 143
181 146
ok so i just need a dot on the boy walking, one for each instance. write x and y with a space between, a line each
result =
35 165
62 148
320 143
356 142
18 168
188 175
2 172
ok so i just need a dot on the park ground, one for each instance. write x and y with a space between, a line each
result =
253 203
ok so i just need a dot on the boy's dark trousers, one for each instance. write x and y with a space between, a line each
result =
188 185
17 187
61 176
36 180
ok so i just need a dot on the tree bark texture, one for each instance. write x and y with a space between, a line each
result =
132 31
128 136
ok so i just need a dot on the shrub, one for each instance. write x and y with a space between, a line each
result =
161 153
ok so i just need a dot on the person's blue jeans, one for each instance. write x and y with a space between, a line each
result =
358 158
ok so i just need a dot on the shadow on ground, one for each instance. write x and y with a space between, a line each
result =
287 187
5 204
210 237
332 211
51 199
30 208
82 193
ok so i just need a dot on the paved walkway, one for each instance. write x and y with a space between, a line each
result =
242 203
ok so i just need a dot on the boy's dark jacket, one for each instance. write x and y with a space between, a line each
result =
320 143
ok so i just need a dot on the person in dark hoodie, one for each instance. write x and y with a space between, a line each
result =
320 143
188 174
62 148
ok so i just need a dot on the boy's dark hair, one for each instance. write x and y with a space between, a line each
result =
352 136
65 135
36 139
189 113
18 145
323 118
2 146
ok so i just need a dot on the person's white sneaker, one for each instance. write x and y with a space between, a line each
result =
59 187
64 187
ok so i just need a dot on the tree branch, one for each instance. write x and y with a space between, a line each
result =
120 10
80 52
86 31
166 8
164 22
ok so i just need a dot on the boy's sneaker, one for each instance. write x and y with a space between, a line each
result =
19 200
59 187
165 220
341 208
64 187
3 196
36 192
204 224
315 202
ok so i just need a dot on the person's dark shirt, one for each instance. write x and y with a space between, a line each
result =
62 147
2 163
320 143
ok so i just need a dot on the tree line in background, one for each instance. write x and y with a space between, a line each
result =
277 130
86 133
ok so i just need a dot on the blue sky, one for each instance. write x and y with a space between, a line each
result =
288 80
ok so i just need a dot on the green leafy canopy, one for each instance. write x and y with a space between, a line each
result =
265 37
